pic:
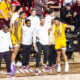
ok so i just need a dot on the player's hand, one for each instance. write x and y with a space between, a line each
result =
49 43
19 42
72 28
34 44
10 30
49 30
70 15
75 13
67 15
6 19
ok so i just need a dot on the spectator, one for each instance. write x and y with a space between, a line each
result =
55 5
67 14
76 7
13 7
4 13
76 18
39 6
25 2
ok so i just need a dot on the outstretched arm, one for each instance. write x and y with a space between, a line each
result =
71 27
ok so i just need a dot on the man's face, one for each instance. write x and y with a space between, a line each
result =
23 16
9 1
68 7
28 23
42 21
53 14
13 8
52 21
57 22
78 1
33 13
20 10
5 29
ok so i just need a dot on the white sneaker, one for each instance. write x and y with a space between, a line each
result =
66 67
44 66
59 69
19 64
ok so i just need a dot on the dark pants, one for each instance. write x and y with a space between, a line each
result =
7 58
45 48
26 50
52 55
26 4
4 22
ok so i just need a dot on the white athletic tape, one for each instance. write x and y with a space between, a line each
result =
64 48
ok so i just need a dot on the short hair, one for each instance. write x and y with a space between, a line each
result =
27 20
68 4
4 26
33 9
50 11
17 8
42 18
57 18
21 13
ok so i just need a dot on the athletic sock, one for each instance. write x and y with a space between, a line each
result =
13 63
